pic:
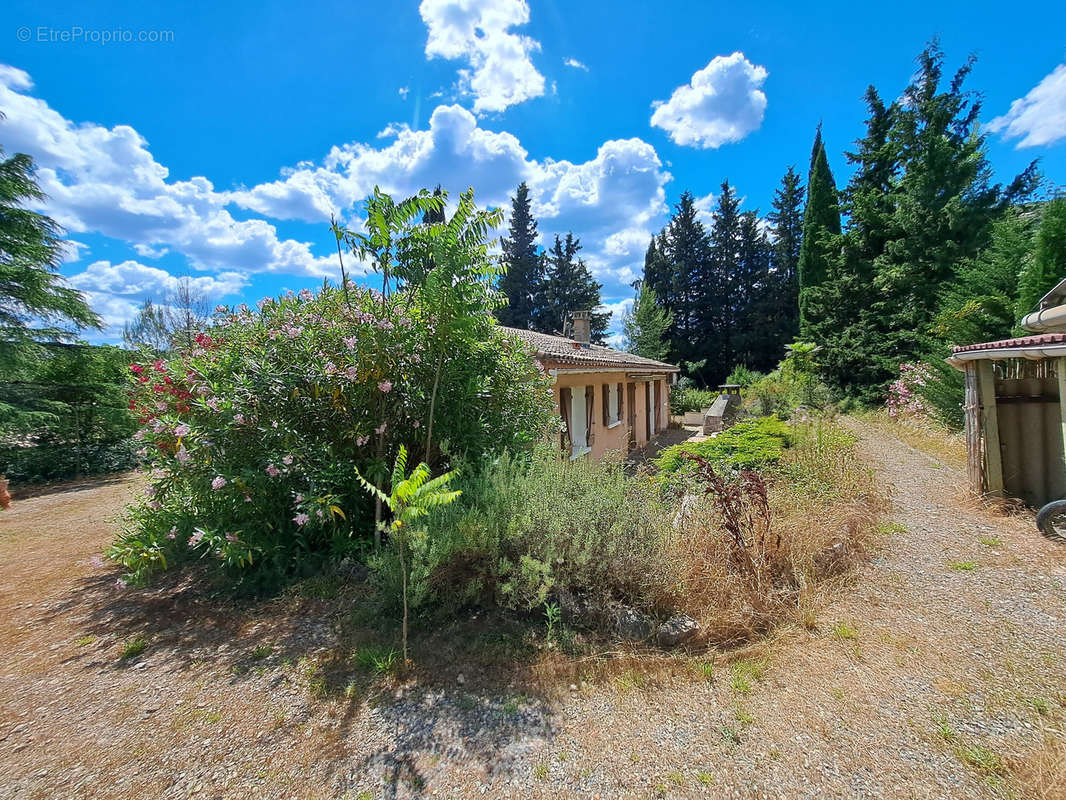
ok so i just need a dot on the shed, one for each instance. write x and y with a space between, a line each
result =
1015 416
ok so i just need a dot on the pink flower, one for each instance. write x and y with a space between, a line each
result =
352 373
212 403
381 429
155 505
182 430
286 460
173 533
305 294
247 498
361 440
416 424
220 309
238 418
385 386
272 471
299 498
218 482
198 535
231 537
97 562
274 424
318 511
182 455
121 584
349 342
301 519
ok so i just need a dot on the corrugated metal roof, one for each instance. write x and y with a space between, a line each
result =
553 350
1021 341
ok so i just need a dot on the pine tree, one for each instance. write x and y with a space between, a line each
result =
680 280
821 221
520 284
569 287
34 302
1048 265
647 325
722 294
758 342
786 220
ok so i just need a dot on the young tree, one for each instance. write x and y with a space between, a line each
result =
34 303
647 325
149 329
821 221
569 287
173 324
1048 264
523 264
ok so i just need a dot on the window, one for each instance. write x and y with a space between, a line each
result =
612 406
580 419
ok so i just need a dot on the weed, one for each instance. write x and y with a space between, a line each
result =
985 761
705 669
321 587
467 703
705 778
676 778
744 717
730 735
744 673
364 796
351 690
963 566
540 771
1040 705
891 528
842 631
376 658
261 651
132 648
83 641
838 693
990 541
510 708
943 727
631 680
552 614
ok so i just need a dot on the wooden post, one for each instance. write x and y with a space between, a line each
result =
990 426
1060 372
975 468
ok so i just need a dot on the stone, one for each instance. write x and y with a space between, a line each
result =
677 630
633 626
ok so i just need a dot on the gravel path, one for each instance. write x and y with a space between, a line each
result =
940 661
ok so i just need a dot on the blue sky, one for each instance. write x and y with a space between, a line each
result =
217 147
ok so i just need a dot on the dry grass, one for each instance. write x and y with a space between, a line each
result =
1041 775
925 436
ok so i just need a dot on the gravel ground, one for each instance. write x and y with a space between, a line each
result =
942 655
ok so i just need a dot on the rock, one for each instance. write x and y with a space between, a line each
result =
633 626
460 679
677 630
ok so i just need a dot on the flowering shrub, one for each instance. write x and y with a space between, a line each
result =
905 393
255 438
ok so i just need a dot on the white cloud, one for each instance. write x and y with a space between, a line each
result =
404 90
705 209
573 62
722 103
1039 118
105 180
501 72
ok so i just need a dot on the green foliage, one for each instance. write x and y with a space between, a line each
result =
742 376
821 221
747 445
1048 264
568 286
524 266
689 399
647 326
63 412
254 435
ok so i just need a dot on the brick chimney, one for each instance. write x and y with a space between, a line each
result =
583 327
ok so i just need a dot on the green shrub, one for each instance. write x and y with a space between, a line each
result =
690 399
747 445
742 376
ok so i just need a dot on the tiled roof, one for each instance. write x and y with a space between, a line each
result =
1038 340
558 350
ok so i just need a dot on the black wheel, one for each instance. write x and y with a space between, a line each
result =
1051 520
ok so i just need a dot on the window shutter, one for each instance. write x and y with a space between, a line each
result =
605 390
589 413
565 407
620 395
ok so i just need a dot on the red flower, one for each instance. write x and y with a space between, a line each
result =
136 369
160 365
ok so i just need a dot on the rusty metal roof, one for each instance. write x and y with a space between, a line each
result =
559 351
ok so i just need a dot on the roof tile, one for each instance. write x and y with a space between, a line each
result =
560 350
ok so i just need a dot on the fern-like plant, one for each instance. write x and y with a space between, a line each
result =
410 498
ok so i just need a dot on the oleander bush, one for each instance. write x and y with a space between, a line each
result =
255 438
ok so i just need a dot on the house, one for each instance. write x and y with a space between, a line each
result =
1015 408
608 399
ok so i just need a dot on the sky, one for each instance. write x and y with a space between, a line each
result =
213 140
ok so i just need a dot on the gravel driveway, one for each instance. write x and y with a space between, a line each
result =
929 676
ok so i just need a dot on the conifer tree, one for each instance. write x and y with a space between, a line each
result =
683 280
722 295
521 283
647 326
1048 265
821 221
569 287
758 342
786 220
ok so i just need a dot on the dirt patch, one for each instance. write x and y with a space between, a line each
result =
935 672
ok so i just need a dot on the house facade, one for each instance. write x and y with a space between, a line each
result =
607 399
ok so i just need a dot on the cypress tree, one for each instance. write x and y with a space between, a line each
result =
821 221
524 266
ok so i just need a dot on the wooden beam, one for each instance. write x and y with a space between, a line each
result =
1060 372
990 425
975 467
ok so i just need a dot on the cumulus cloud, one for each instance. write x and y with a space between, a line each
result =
105 180
1039 118
573 62
722 103
501 71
